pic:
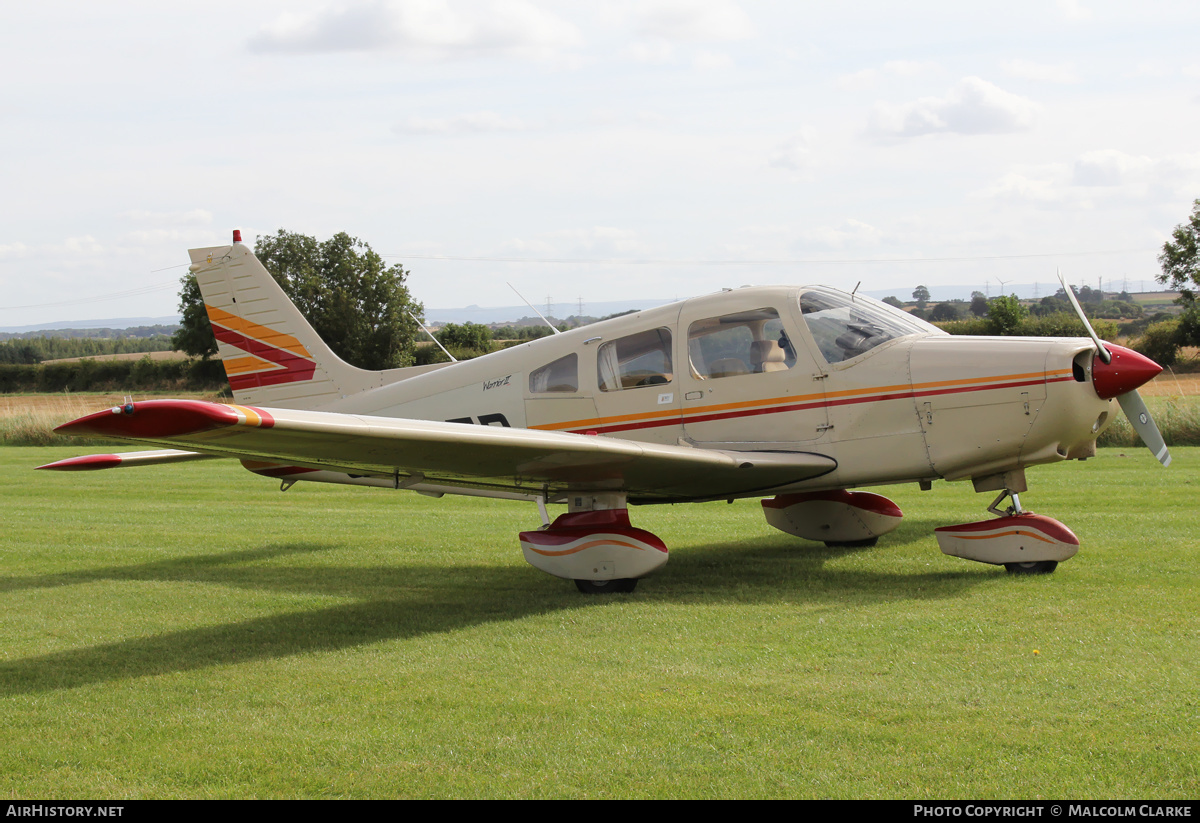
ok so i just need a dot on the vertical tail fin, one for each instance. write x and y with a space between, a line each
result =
272 356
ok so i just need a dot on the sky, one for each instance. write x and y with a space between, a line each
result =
595 151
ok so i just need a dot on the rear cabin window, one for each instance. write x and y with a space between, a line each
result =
635 361
562 375
749 342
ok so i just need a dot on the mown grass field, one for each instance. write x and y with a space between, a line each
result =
191 632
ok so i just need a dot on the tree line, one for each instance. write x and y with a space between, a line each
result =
31 350
363 309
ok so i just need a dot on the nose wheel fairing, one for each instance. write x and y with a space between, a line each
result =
1021 541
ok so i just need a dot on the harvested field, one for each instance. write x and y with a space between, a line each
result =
29 419
1169 384
133 355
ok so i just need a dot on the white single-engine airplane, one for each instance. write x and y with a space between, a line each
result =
793 394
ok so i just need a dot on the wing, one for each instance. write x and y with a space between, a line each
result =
453 454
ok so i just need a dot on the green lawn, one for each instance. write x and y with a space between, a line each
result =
189 631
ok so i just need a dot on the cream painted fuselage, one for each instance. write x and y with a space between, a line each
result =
919 406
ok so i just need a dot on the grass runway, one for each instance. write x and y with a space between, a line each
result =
188 631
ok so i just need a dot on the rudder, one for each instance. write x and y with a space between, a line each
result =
272 356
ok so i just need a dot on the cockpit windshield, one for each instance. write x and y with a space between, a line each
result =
844 327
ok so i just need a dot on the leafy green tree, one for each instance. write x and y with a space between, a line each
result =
892 300
356 303
921 295
466 336
1180 258
194 335
944 311
979 303
1005 314
1160 342
1189 327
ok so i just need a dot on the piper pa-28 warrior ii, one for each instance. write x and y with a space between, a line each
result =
791 394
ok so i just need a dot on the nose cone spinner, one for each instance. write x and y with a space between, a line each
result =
1125 372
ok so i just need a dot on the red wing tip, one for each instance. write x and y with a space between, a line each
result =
153 419
85 463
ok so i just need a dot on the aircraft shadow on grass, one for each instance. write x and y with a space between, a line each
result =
407 601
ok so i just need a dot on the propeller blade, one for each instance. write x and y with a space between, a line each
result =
1102 352
1143 424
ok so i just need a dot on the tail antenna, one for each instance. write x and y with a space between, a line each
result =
431 337
535 311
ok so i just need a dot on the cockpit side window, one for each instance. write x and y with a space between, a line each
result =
843 327
561 375
635 361
749 342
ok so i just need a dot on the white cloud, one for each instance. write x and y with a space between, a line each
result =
1073 10
909 68
1151 68
597 241
654 51
795 153
972 106
195 217
1109 167
857 81
711 61
1015 186
868 78
83 245
477 122
694 20
429 29
854 233
600 240
1100 175
1041 72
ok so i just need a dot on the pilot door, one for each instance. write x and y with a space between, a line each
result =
637 393
749 380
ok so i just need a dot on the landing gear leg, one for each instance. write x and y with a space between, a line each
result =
1015 508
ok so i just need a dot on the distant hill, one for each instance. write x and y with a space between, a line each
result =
511 314
110 323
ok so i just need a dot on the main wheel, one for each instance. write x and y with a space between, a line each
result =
1040 567
621 585
853 544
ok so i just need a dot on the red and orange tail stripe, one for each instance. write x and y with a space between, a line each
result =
274 357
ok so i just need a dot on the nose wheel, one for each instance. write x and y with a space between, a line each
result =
622 585
1040 567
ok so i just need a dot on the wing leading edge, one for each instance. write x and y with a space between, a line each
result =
484 457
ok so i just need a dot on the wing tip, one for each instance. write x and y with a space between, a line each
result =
84 463
151 419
